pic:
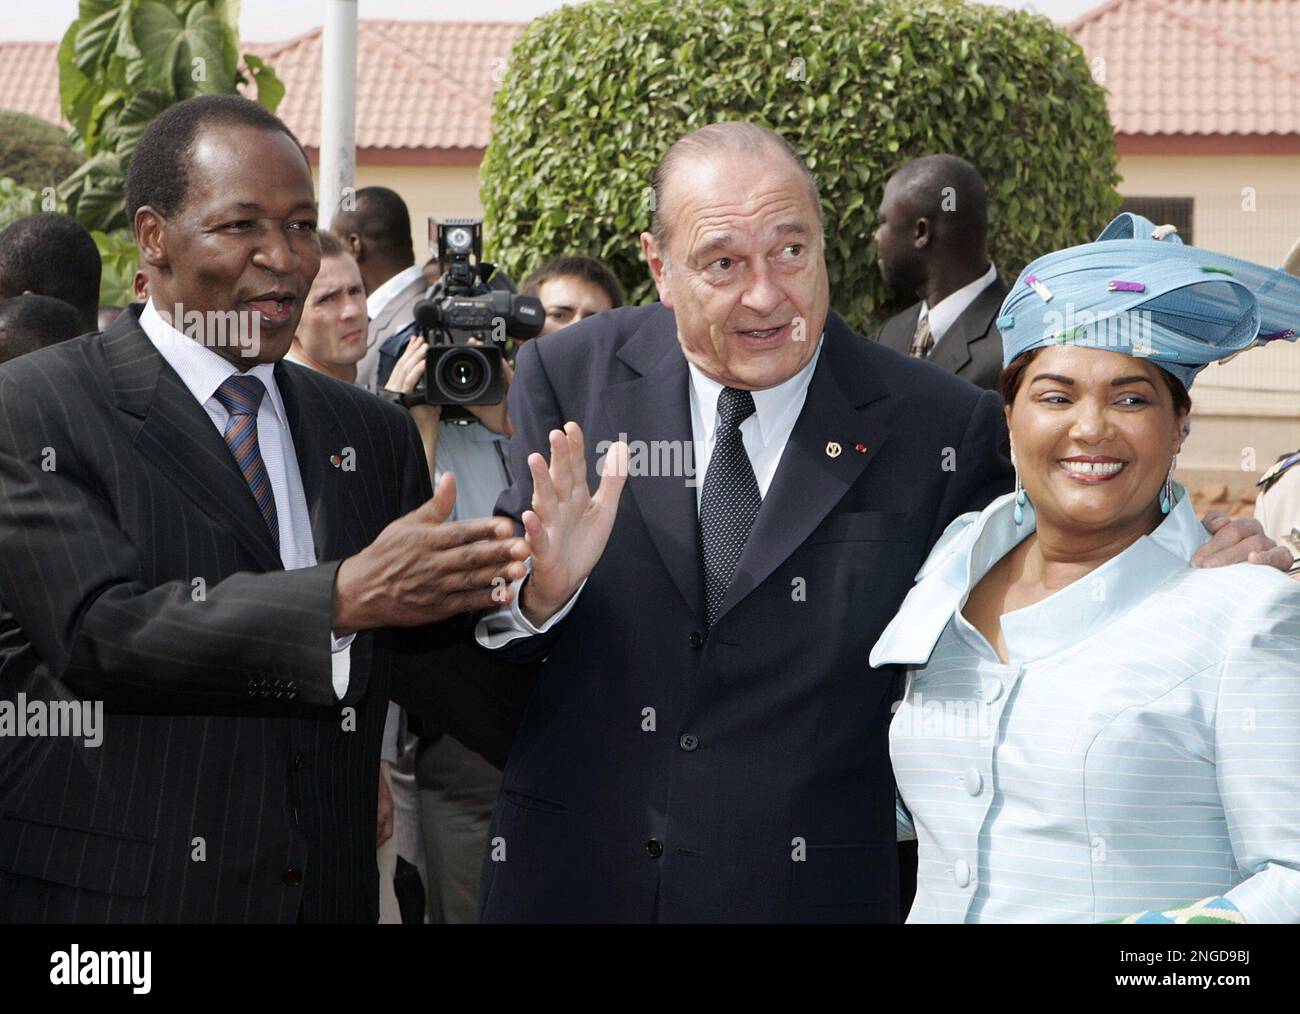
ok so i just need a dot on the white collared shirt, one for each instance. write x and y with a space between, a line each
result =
202 371
945 312
765 434
382 296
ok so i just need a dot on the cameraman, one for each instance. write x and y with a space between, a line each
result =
456 787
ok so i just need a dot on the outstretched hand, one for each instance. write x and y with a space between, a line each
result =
567 528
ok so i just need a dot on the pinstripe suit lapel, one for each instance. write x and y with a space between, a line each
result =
173 431
337 522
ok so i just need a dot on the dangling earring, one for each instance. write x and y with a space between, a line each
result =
1167 493
1019 513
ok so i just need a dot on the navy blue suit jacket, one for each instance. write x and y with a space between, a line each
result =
659 773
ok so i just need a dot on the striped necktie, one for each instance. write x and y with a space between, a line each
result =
241 395
922 337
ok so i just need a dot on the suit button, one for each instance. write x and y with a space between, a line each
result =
696 639
688 742
655 847
961 873
292 876
297 762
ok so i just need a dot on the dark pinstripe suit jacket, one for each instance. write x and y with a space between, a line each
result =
231 784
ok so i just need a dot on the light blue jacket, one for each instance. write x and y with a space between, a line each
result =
1141 750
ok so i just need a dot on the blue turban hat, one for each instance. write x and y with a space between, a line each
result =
1140 290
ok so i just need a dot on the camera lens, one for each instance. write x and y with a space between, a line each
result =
464 375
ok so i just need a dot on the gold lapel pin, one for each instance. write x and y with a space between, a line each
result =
833 449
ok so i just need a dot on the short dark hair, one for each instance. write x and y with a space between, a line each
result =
1013 377
159 175
949 191
381 216
590 270
32 322
52 255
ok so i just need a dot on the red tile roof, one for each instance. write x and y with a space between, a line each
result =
424 88
1200 71
1197 67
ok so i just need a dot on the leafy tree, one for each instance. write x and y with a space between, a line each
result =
594 94
34 153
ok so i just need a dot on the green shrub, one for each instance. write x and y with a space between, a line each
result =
594 94
34 153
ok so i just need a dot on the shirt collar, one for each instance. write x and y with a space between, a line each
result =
200 369
382 296
773 406
945 312
975 542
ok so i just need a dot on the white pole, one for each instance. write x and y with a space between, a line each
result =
338 106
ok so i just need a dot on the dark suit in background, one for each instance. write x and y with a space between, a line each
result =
971 348
764 791
231 784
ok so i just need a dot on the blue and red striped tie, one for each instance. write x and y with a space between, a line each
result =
241 395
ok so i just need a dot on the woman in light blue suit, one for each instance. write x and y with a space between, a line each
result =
1092 729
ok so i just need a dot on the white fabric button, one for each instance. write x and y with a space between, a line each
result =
961 873
974 783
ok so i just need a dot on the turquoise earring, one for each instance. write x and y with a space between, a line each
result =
1167 492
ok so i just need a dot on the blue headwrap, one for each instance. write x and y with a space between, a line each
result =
1139 290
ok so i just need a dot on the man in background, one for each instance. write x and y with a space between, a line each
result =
571 289
331 336
932 240
30 322
377 232
52 255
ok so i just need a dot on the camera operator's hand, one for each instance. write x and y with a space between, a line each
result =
567 529
406 374
496 417
423 568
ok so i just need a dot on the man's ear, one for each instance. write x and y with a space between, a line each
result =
355 247
150 236
922 232
658 263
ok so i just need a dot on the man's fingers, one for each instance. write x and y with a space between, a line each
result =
613 474
535 533
438 507
560 476
543 489
477 555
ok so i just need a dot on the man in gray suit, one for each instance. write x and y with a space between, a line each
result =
932 239
377 232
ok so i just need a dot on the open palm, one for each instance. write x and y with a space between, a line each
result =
568 527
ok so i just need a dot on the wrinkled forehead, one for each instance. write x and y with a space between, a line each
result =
748 198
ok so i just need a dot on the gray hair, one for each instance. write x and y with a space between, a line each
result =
729 137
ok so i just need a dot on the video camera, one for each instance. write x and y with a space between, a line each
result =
471 299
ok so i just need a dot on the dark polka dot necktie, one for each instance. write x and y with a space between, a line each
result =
730 500
241 395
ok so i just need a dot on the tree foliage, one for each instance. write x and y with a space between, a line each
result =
595 93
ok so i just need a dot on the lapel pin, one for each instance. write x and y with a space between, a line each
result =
860 448
833 450
336 460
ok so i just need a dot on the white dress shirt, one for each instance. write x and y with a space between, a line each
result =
945 312
203 371
382 296
765 434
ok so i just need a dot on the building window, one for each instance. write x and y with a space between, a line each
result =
1161 210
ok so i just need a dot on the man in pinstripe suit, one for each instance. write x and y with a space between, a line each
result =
173 510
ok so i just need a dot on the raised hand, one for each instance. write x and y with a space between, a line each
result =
567 529
423 568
